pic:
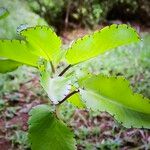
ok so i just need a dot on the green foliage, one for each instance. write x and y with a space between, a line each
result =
130 61
47 132
89 13
75 100
41 47
57 88
51 10
145 53
113 95
32 48
63 13
2 105
11 65
11 49
100 42
39 38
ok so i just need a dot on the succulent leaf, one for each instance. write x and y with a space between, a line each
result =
100 42
46 132
19 51
7 65
114 96
57 88
45 41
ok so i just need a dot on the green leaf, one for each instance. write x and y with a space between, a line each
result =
8 65
76 75
60 56
76 101
114 95
19 51
46 43
99 42
45 68
46 132
3 13
57 88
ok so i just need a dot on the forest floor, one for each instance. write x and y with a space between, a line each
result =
93 131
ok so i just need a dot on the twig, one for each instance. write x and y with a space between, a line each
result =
69 95
53 70
65 70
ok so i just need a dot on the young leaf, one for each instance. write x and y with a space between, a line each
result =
46 43
115 96
19 51
8 65
101 41
46 132
57 88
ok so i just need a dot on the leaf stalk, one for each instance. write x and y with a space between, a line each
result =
64 71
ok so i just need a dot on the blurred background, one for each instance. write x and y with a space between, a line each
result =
20 90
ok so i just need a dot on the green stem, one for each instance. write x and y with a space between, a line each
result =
59 116
52 66
69 95
62 73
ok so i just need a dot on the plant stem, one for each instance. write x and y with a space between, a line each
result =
58 112
69 95
69 66
52 66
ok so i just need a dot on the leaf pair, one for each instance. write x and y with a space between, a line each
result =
102 93
83 49
41 41
95 92
99 93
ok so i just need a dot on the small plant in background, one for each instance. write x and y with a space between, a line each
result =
89 13
41 48
3 12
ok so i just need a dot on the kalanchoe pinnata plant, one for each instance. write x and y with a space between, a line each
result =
42 48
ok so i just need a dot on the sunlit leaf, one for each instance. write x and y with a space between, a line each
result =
46 43
76 101
99 42
8 65
57 88
46 132
114 95
19 51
